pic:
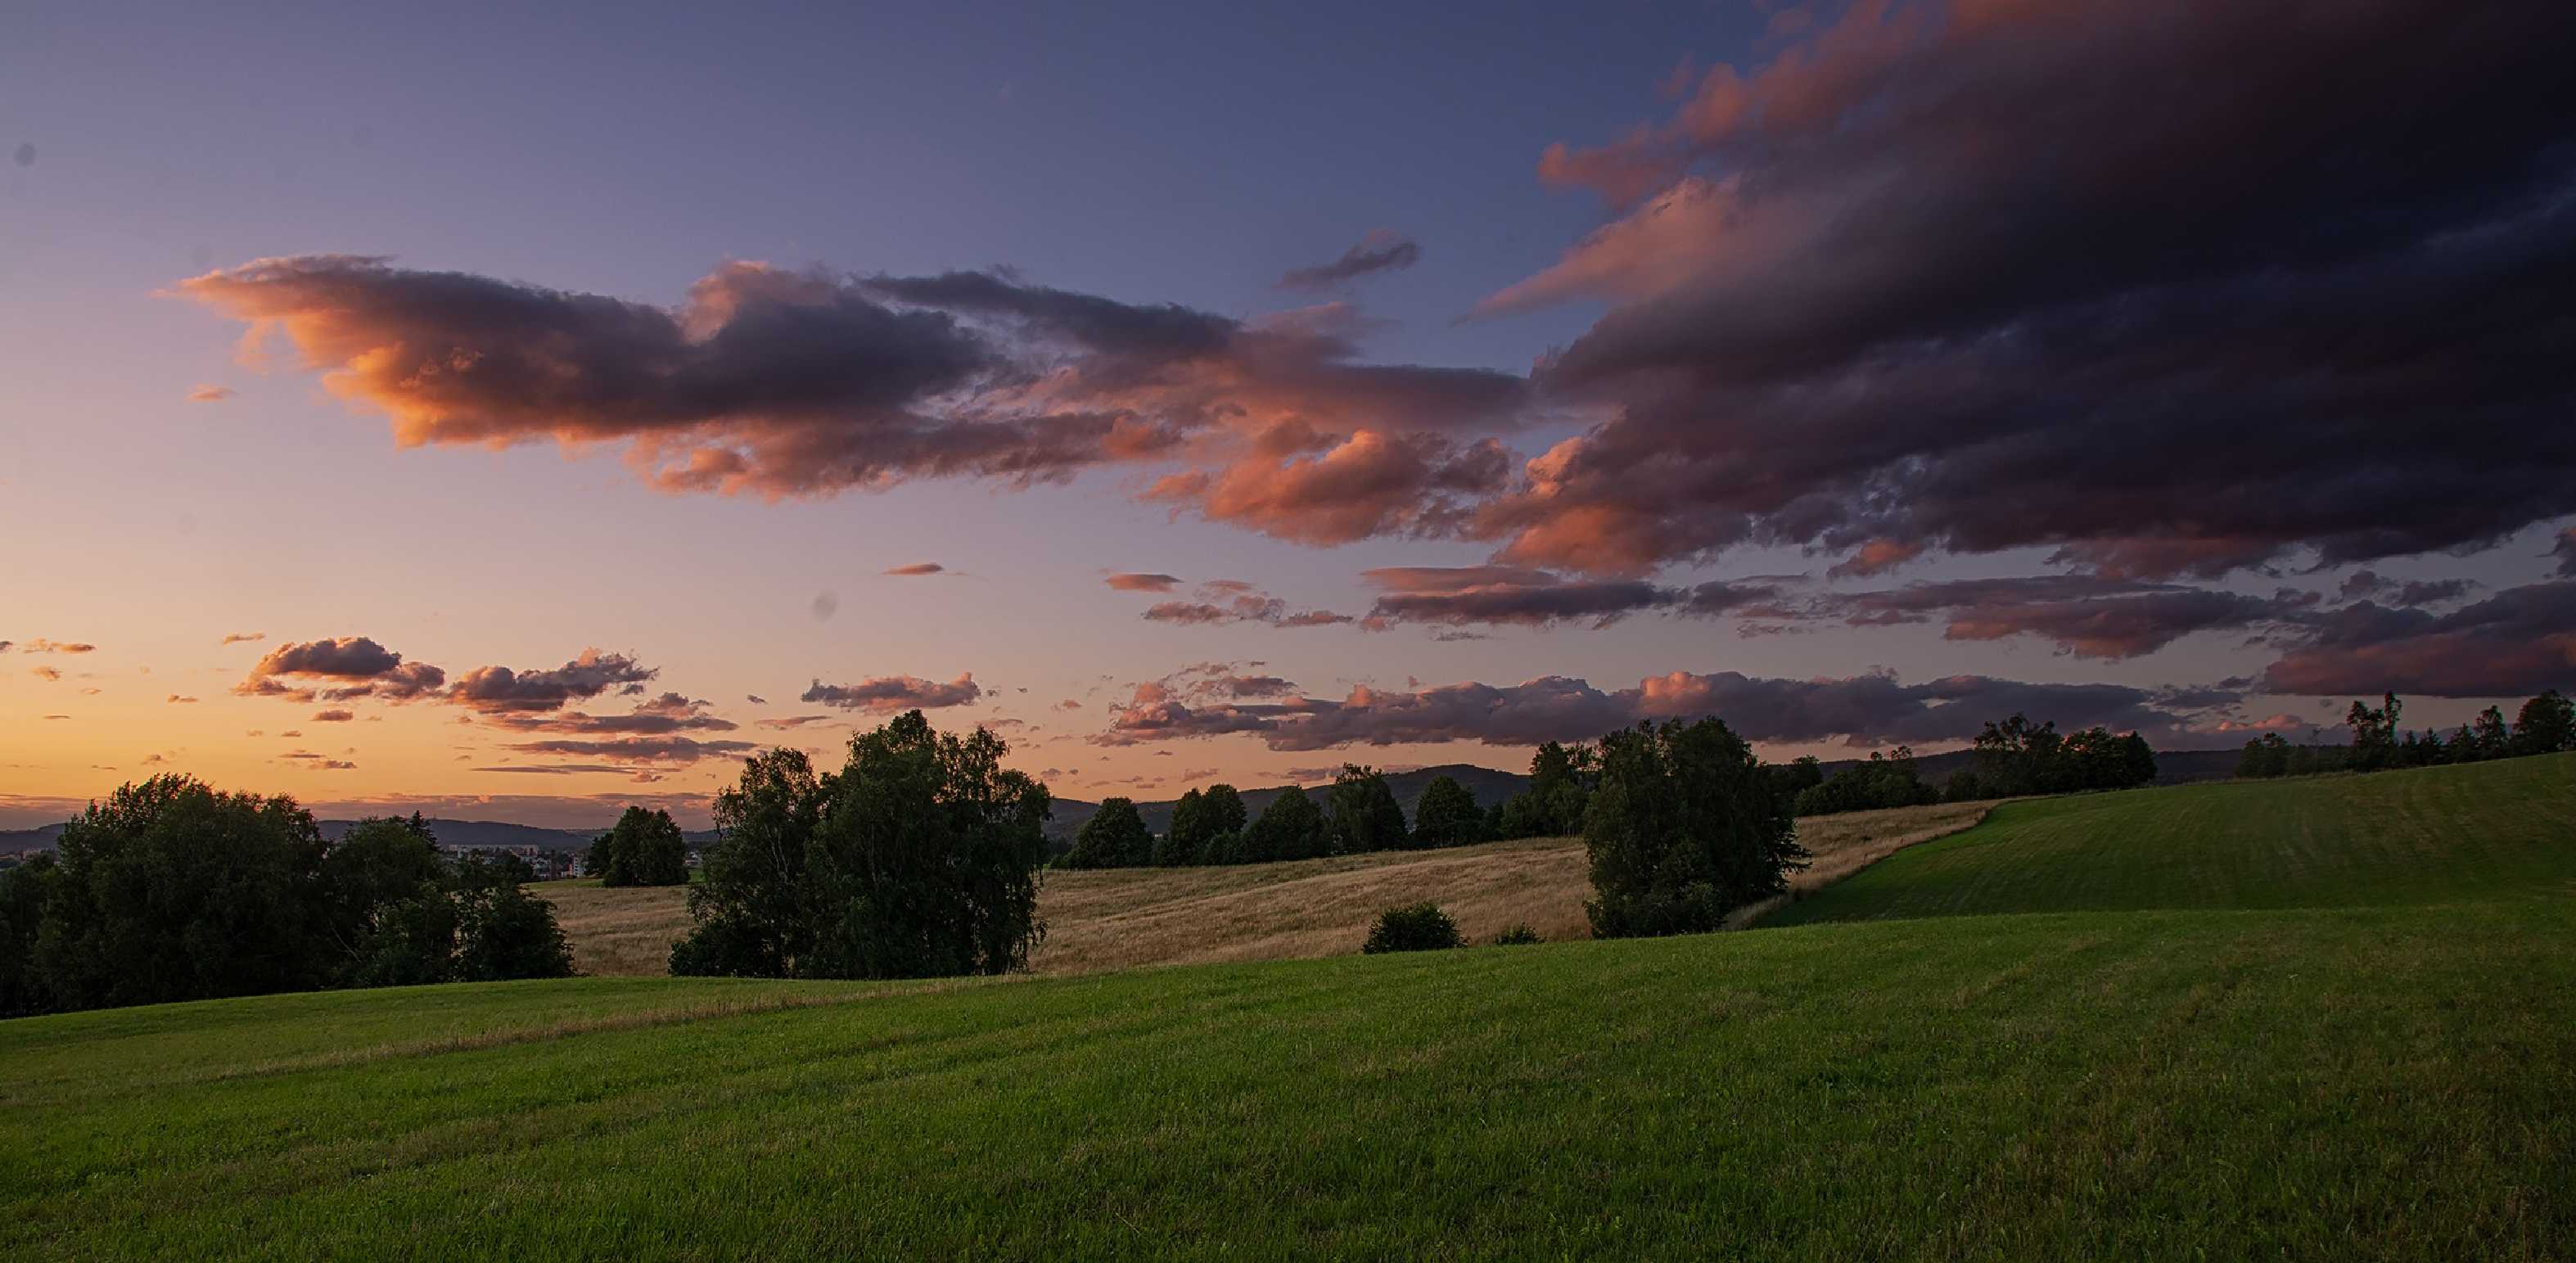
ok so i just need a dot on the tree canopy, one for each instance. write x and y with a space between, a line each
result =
1447 815
917 859
1114 837
644 848
1364 814
1684 826
173 890
1290 828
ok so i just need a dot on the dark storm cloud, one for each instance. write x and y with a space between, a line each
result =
1380 251
1990 276
781 383
887 694
2085 615
2518 642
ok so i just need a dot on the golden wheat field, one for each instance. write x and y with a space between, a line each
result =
1122 918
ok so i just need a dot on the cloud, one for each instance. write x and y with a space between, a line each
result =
1934 275
210 394
337 670
2564 550
888 694
333 716
238 638
776 383
1226 601
501 690
1876 556
666 750
2089 616
45 673
1866 710
668 713
918 568
755 699
42 645
1506 594
787 722
2366 583
2518 642
176 700
1137 583
1382 250
319 762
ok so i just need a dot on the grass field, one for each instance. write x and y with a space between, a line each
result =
2429 835
2288 1046
1122 918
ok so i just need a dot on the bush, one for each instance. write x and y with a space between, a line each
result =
918 860
1414 927
1684 827
1517 936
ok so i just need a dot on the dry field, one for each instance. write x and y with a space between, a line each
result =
1122 918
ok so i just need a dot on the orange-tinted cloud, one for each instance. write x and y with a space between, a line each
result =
210 394
890 694
1142 582
917 569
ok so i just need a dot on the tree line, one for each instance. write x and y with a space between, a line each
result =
2546 724
172 890
1359 815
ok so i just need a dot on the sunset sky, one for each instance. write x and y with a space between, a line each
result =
516 415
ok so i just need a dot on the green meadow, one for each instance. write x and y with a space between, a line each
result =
2322 1019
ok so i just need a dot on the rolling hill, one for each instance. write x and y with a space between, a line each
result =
2331 1020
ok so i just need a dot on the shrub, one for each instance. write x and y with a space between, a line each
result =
1414 927
1517 936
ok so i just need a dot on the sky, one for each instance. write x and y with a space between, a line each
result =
517 415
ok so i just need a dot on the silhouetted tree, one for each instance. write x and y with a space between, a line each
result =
1446 815
917 859
1879 783
1365 815
1114 837
170 890
1683 827
644 848
2374 734
2546 725
24 888
1290 828
2489 736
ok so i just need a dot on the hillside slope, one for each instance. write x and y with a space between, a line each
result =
2127 1085
1119 918
2425 835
